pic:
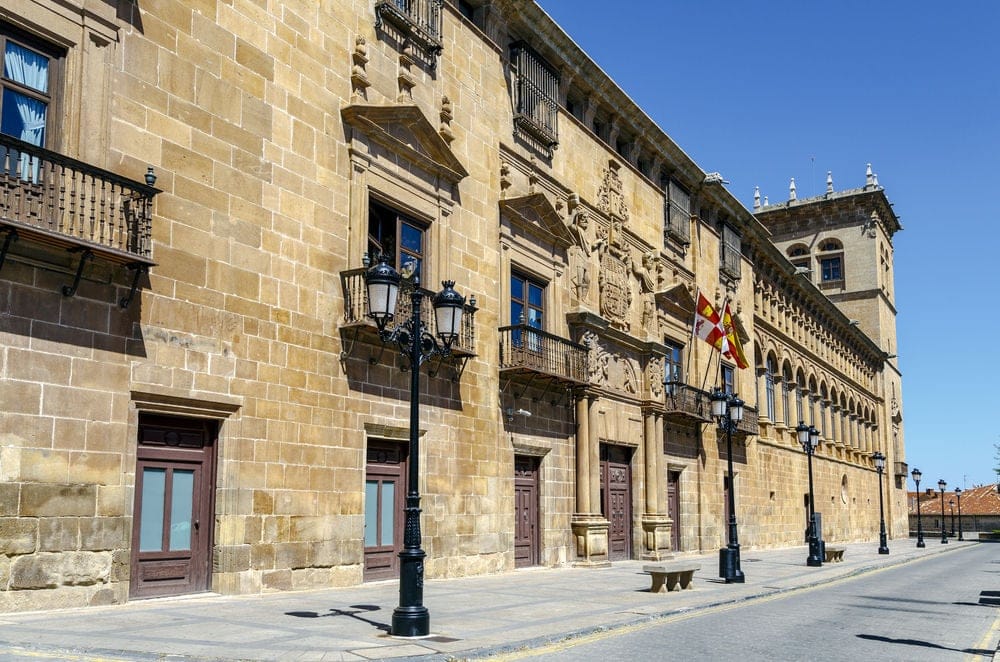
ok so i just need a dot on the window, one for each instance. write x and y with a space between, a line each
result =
831 266
527 303
787 386
396 236
535 91
677 221
26 99
798 403
672 370
769 371
728 379
729 255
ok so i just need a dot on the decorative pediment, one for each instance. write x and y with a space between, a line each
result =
537 214
405 131
677 296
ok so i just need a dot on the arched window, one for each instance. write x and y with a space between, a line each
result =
769 371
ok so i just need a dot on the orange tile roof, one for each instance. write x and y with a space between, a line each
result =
982 500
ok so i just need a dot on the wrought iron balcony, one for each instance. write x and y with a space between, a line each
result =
688 402
51 199
68 202
356 311
420 20
526 350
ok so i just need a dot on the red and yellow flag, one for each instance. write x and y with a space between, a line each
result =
735 347
708 324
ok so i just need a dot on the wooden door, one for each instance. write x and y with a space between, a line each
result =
616 498
385 499
174 504
526 529
674 508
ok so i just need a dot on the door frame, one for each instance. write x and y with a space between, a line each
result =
527 479
175 442
619 456
386 459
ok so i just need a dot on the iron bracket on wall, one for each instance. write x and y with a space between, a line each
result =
85 257
8 240
139 268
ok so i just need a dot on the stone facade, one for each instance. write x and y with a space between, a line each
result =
288 140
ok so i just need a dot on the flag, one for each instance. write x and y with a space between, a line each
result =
735 347
708 324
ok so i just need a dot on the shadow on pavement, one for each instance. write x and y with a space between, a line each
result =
926 644
358 609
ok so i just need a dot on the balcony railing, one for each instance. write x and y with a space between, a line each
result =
418 19
525 348
535 86
58 200
356 310
689 402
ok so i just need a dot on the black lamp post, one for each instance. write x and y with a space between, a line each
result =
415 340
920 529
958 495
809 438
883 546
951 508
728 411
944 532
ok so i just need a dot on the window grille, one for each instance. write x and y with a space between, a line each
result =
535 96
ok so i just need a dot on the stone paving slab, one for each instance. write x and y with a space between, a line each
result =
470 617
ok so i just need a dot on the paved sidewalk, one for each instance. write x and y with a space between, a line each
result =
471 617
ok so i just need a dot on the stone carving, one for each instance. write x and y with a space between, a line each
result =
654 376
614 279
610 197
608 370
446 117
359 76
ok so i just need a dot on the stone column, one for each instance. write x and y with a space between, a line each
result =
590 529
655 522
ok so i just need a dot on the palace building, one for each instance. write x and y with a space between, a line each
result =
196 399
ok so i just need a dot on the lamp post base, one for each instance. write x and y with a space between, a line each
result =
920 543
815 559
883 550
729 565
411 622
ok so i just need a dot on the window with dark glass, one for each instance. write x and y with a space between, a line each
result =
831 260
728 379
672 370
527 303
400 238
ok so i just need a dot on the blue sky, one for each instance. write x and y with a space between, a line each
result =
763 92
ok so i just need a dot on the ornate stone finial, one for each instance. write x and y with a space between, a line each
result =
446 118
829 181
756 197
359 76
791 190
765 200
405 77
868 176
875 180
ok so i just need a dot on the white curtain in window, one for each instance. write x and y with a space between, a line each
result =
30 69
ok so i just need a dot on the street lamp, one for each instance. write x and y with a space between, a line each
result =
920 530
883 546
809 438
728 411
958 495
415 340
951 507
944 533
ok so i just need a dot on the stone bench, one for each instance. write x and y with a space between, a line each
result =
670 576
833 554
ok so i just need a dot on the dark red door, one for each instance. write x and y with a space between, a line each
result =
385 498
174 497
616 506
526 530
674 508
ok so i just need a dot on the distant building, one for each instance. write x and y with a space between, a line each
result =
980 508
194 398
